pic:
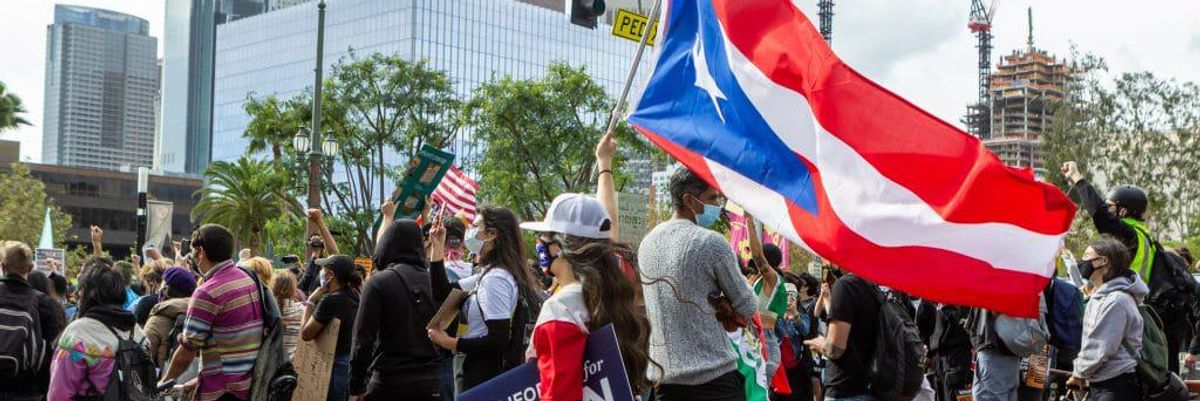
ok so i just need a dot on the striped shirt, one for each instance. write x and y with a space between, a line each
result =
224 322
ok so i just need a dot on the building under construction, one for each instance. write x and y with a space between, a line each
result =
1022 92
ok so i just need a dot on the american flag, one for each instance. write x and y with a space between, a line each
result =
456 193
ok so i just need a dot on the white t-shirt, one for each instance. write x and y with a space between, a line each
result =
457 269
495 295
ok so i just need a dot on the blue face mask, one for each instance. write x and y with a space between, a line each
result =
710 215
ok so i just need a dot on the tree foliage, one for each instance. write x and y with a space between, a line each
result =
23 204
538 137
10 110
1137 129
243 196
380 110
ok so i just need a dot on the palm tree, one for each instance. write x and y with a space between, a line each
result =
10 110
274 124
243 196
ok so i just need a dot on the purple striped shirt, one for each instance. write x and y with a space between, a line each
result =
225 322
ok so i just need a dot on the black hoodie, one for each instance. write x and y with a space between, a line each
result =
390 341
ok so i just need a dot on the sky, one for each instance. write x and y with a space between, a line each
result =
919 49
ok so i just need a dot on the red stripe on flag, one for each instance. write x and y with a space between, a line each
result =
944 166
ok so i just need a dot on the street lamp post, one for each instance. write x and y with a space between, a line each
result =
314 152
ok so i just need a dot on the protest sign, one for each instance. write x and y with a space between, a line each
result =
420 182
632 209
313 361
604 376
42 257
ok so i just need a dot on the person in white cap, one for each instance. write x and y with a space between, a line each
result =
574 246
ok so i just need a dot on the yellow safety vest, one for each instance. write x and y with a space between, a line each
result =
1143 258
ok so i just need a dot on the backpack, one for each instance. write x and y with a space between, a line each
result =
173 337
22 351
894 369
1173 289
132 377
422 303
274 378
524 320
1158 382
1064 316
1023 337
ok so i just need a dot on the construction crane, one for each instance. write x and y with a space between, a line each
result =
979 119
826 15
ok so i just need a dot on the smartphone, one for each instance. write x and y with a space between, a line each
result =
187 246
290 259
827 275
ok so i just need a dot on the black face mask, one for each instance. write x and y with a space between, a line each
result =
1086 268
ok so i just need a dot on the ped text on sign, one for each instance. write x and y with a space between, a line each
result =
630 25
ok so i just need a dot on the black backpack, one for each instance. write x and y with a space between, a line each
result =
173 338
524 320
422 303
132 377
894 369
22 350
1172 288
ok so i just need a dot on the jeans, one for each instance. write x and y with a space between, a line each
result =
448 379
996 376
729 387
773 353
1123 387
339 378
860 397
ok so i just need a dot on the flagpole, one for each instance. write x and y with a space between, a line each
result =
637 60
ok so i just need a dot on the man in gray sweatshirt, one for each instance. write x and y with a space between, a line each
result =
687 264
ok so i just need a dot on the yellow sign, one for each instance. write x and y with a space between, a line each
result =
630 25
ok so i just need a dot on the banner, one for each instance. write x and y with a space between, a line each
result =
739 238
603 375
158 224
751 363
42 256
632 210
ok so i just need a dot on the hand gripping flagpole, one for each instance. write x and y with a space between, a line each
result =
637 60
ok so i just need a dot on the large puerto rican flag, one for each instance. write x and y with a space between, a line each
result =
747 94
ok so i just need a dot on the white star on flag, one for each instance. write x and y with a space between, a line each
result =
704 79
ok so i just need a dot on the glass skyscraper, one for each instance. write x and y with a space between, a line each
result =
471 40
101 84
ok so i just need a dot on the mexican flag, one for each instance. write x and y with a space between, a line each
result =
748 344
771 304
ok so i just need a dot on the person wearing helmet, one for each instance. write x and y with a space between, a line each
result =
1121 214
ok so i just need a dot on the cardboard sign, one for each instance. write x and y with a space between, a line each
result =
313 361
42 257
632 211
604 376
630 25
430 167
449 310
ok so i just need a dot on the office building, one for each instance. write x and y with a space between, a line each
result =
471 40
101 85
1023 90
188 36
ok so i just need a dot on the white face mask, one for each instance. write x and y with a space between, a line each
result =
471 240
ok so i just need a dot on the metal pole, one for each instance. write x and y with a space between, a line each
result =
314 153
143 183
633 67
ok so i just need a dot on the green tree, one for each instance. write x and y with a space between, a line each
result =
243 196
10 110
23 204
381 110
538 136
1133 129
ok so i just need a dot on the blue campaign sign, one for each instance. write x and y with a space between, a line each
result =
603 375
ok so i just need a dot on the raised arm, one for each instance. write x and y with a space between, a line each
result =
606 192
1105 220
386 210
769 276
318 220
97 241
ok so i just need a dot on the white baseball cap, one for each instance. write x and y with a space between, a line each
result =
576 215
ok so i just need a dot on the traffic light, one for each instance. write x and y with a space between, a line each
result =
585 12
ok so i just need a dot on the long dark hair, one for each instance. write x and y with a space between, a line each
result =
610 298
508 249
349 279
100 286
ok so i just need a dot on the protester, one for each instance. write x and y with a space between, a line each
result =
261 267
60 292
224 321
772 299
456 269
336 298
392 356
592 292
685 263
319 245
177 287
853 309
86 354
792 329
1112 330
291 311
18 299
151 276
492 332
948 348
1121 214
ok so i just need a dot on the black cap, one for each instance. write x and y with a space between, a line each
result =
339 264
455 230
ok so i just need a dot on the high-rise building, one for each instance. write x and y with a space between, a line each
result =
101 84
1022 91
188 35
471 40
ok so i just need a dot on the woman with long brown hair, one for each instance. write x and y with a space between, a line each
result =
575 247
502 285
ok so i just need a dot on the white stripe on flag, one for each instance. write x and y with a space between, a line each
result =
872 205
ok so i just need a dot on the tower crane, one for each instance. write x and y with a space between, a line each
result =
979 118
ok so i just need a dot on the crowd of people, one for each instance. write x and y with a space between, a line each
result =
206 319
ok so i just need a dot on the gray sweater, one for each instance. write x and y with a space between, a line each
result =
685 336
1110 320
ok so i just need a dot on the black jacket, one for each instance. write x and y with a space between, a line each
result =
390 340
50 317
942 329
